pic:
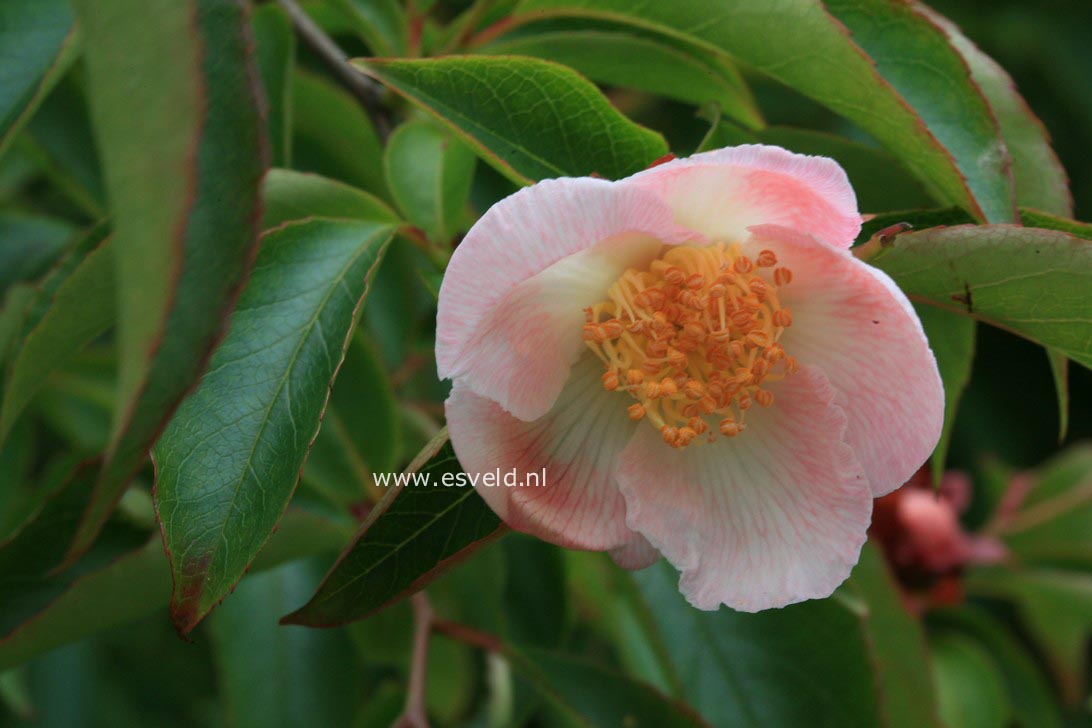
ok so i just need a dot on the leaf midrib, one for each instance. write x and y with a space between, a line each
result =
306 332
401 545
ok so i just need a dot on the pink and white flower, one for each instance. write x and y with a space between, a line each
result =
699 363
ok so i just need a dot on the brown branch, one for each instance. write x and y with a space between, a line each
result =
368 92
468 635
414 715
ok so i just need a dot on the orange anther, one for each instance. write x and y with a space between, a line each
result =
656 349
612 328
670 435
697 329
676 358
693 330
675 276
782 317
728 428
759 338
694 389
592 332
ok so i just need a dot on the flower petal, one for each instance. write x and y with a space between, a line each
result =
854 323
576 444
722 193
523 349
516 240
637 553
771 517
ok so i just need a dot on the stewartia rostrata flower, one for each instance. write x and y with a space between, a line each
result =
700 365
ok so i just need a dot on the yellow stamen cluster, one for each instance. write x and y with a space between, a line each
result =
693 338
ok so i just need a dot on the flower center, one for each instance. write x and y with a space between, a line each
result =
694 337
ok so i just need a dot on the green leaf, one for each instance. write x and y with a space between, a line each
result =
529 119
620 58
611 604
1059 371
15 696
183 157
896 643
61 141
29 245
228 462
403 309
332 136
1040 179
1053 524
879 64
18 496
39 42
1056 606
380 23
275 52
282 676
356 441
76 402
1037 219
1031 282
971 689
12 314
951 337
139 584
409 538
538 612
28 558
595 697
72 307
1059 364
806 664
1033 701
429 173
291 195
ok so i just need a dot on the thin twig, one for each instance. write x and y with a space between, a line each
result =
415 715
470 22
468 635
365 90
